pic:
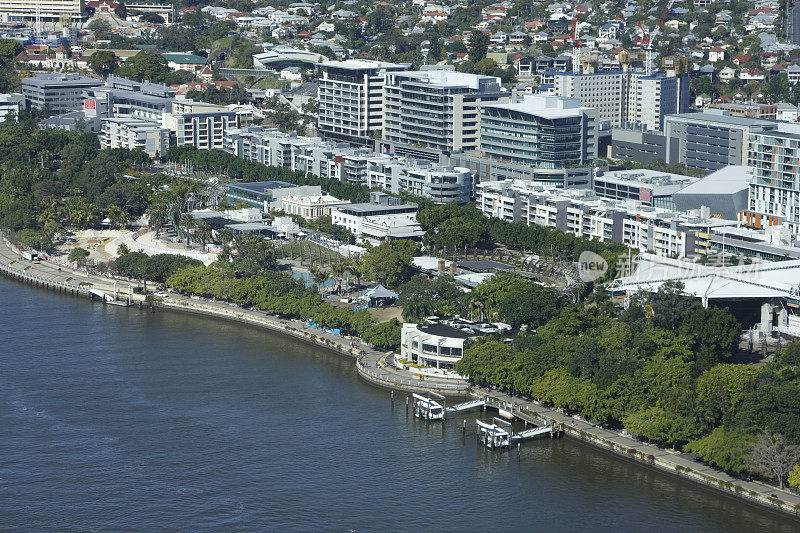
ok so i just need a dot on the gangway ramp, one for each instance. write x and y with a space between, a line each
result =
530 433
102 295
466 406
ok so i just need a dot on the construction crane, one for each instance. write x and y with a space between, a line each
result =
576 44
646 40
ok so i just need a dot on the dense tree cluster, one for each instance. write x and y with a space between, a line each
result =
281 294
452 226
666 378
153 268
52 179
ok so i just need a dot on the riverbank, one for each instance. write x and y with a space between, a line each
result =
368 366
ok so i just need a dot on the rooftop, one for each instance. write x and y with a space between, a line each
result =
261 186
720 116
544 106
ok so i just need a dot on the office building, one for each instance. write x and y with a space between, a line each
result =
11 105
134 134
436 108
350 97
712 139
59 92
124 98
539 131
639 145
650 187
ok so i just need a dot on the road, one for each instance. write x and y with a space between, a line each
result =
793 20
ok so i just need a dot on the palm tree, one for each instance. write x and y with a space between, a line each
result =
117 215
225 236
186 225
338 269
320 277
356 268
203 232
158 217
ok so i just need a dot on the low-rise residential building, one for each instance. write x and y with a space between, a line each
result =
584 214
199 124
134 134
188 62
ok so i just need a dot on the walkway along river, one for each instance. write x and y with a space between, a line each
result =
625 446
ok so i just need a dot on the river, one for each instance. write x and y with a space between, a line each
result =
120 419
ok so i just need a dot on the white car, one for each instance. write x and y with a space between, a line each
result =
161 294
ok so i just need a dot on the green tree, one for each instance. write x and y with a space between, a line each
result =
722 388
727 450
78 255
121 11
478 45
384 335
793 478
390 263
103 62
145 66
9 49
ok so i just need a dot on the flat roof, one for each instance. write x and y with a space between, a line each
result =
722 119
726 180
363 64
443 330
484 265
61 80
376 208
261 186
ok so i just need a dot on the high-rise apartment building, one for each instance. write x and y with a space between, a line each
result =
774 195
436 109
623 97
350 97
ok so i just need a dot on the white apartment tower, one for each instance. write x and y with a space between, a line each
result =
350 99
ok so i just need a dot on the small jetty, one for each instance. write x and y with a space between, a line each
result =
433 406
499 433
495 432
